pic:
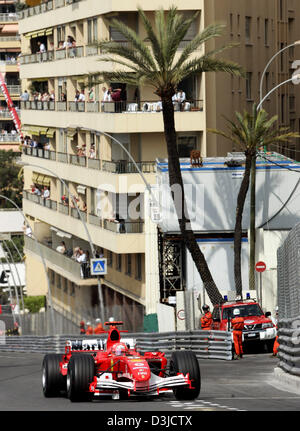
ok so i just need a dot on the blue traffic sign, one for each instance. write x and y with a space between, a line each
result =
98 266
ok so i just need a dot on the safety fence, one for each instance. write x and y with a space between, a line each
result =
288 293
205 344
289 345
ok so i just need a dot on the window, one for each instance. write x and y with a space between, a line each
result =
238 25
249 85
231 23
128 264
267 78
282 108
61 34
266 32
292 103
58 281
90 31
51 276
138 267
95 29
186 144
109 258
65 285
119 262
72 290
258 27
248 28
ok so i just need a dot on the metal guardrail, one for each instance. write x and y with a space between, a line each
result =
289 345
205 344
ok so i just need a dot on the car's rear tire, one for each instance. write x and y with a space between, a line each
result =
81 372
52 379
186 362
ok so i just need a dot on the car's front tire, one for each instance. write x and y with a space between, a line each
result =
81 372
52 379
186 362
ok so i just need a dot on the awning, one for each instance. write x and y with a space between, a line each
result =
34 177
10 28
42 180
35 130
50 132
71 133
34 34
81 190
61 233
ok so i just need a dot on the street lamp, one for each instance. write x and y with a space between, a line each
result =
252 238
148 186
297 42
42 257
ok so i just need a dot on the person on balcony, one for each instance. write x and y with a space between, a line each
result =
41 47
46 193
61 248
81 97
92 152
24 96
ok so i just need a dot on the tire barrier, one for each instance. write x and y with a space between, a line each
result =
289 345
205 344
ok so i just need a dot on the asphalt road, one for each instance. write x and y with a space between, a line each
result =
246 385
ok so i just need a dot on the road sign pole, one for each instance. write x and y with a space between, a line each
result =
260 287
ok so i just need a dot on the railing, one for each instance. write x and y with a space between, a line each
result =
9 38
9 137
58 54
289 339
49 203
14 89
206 344
55 258
4 113
117 226
118 167
9 62
74 213
118 107
45 7
6 17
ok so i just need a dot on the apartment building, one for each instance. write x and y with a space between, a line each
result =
10 49
78 138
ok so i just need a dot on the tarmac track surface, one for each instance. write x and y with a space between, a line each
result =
244 385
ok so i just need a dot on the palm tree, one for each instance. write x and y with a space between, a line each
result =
250 132
152 62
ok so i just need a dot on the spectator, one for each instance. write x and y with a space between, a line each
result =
25 96
61 248
52 96
91 95
99 327
65 200
84 207
107 94
89 330
63 97
76 253
82 328
60 45
77 95
46 193
81 97
41 47
92 152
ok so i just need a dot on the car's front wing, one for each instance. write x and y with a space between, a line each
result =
156 384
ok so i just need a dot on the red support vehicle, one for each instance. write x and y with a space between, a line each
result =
112 367
257 326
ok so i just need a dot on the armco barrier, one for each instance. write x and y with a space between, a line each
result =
289 345
205 344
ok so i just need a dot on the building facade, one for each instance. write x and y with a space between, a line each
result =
78 138
10 49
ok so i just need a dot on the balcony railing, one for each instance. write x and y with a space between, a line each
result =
14 89
8 17
62 261
59 54
48 203
116 226
129 107
45 7
9 38
9 137
124 226
115 167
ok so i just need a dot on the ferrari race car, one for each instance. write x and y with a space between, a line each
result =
91 368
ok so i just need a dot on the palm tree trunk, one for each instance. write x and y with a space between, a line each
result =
175 178
252 226
238 225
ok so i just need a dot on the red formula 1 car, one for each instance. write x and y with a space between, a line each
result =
114 368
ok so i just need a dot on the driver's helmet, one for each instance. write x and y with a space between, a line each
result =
119 349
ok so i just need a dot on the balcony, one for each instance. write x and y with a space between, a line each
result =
8 17
59 54
119 237
60 263
9 137
45 7
119 167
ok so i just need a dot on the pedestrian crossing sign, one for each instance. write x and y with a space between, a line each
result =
98 266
